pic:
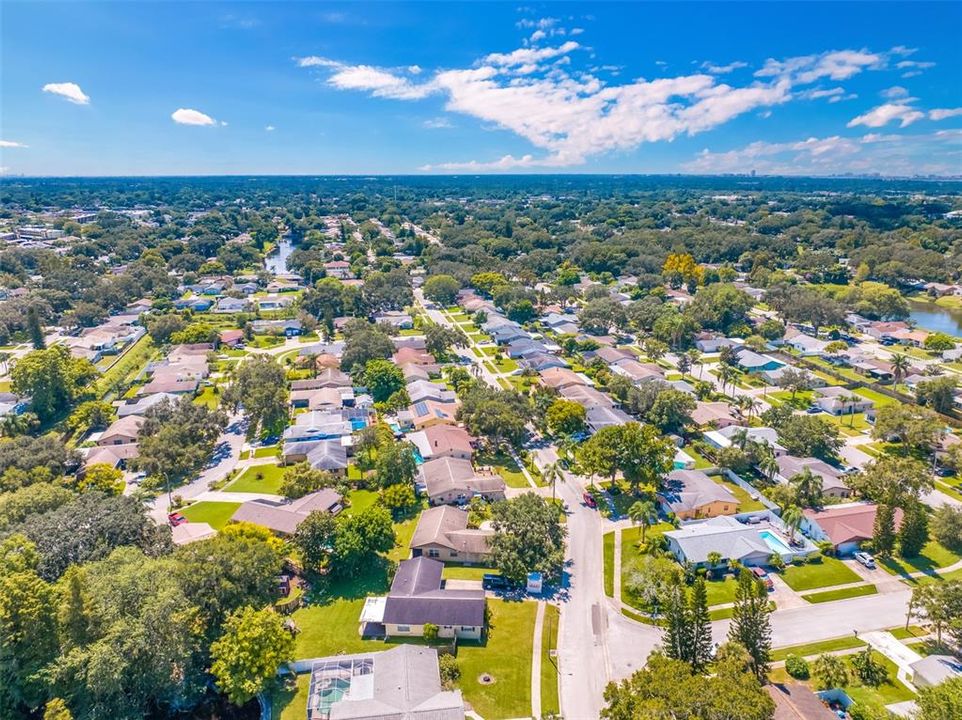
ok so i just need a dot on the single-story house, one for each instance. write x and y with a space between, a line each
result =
400 320
231 338
189 532
805 345
599 417
724 535
772 377
122 431
442 533
732 435
832 483
231 305
426 413
587 397
711 343
438 441
329 455
290 328
171 386
794 701
284 516
691 494
713 414
838 401
448 481
317 425
752 362
561 377
542 361
638 372
419 390
414 372
114 455
418 598
415 356
403 682
845 526
935 669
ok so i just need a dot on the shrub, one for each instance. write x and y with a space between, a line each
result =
797 667
430 633
449 670
869 670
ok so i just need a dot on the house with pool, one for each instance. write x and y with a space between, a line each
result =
747 543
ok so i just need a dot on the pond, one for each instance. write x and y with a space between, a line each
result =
276 262
935 318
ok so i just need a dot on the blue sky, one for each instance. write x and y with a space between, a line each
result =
210 88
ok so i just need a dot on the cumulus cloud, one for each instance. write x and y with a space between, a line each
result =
943 113
889 112
69 91
270 128
873 153
187 116
895 92
11 144
438 123
570 114
723 69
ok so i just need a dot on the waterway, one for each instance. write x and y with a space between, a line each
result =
276 262
935 318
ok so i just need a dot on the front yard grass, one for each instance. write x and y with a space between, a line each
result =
466 572
268 451
721 591
608 559
878 398
360 500
215 514
841 594
933 557
891 691
505 654
258 479
811 576
505 466
550 706
817 648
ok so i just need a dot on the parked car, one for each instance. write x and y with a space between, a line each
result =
493 581
763 576
589 500
863 558
175 519
813 410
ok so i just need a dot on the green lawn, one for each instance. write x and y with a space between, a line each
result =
208 397
745 501
403 532
215 514
932 557
721 591
505 466
826 573
292 704
453 571
268 451
842 594
361 500
817 648
505 654
889 692
258 479
549 665
878 398
608 557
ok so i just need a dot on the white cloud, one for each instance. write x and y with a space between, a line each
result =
438 123
270 128
414 69
723 69
889 112
11 144
187 116
571 114
894 93
944 113
69 91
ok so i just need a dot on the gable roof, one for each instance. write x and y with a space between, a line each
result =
723 534
417 598
448 526
848 523
284 516
689 490
796 702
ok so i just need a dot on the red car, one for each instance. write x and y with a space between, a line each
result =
175 519
763 576
589 500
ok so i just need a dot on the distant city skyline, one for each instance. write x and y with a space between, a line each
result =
406 88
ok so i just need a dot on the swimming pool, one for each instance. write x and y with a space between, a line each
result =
774 542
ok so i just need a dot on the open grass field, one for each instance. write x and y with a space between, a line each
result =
258 479
933 557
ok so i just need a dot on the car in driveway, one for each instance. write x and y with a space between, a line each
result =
493 581
590 500
863 558
763 577
175 519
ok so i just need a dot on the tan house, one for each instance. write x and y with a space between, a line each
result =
691 495
426 413
714 414
442 533
121 432
560 377
443 441
450 481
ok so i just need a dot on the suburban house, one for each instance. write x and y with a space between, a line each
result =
736 435
749 544
231 338
231 305
122 431
317 425
559 378
403 682
189 532
935 669
113 455
400 320
283 516
170 386
794 701
637 372
599 417
329 455
426 413
443 441
416 356
804 345
832 483
418 598
340 269
442 533
713 414
752 362
838 401
414 372
707 342
419 390
845 526
587 397
454 481
691 494
328 377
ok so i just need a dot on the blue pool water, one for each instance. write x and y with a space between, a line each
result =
774 542
417 456
357 424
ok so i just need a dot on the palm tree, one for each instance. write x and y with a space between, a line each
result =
726 375
551 474
792 517
713 558
684 364
739 438
808 486
694 356
769 465
641 513
851 401
752 406
900 367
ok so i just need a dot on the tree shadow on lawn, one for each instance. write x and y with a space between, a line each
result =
371 580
